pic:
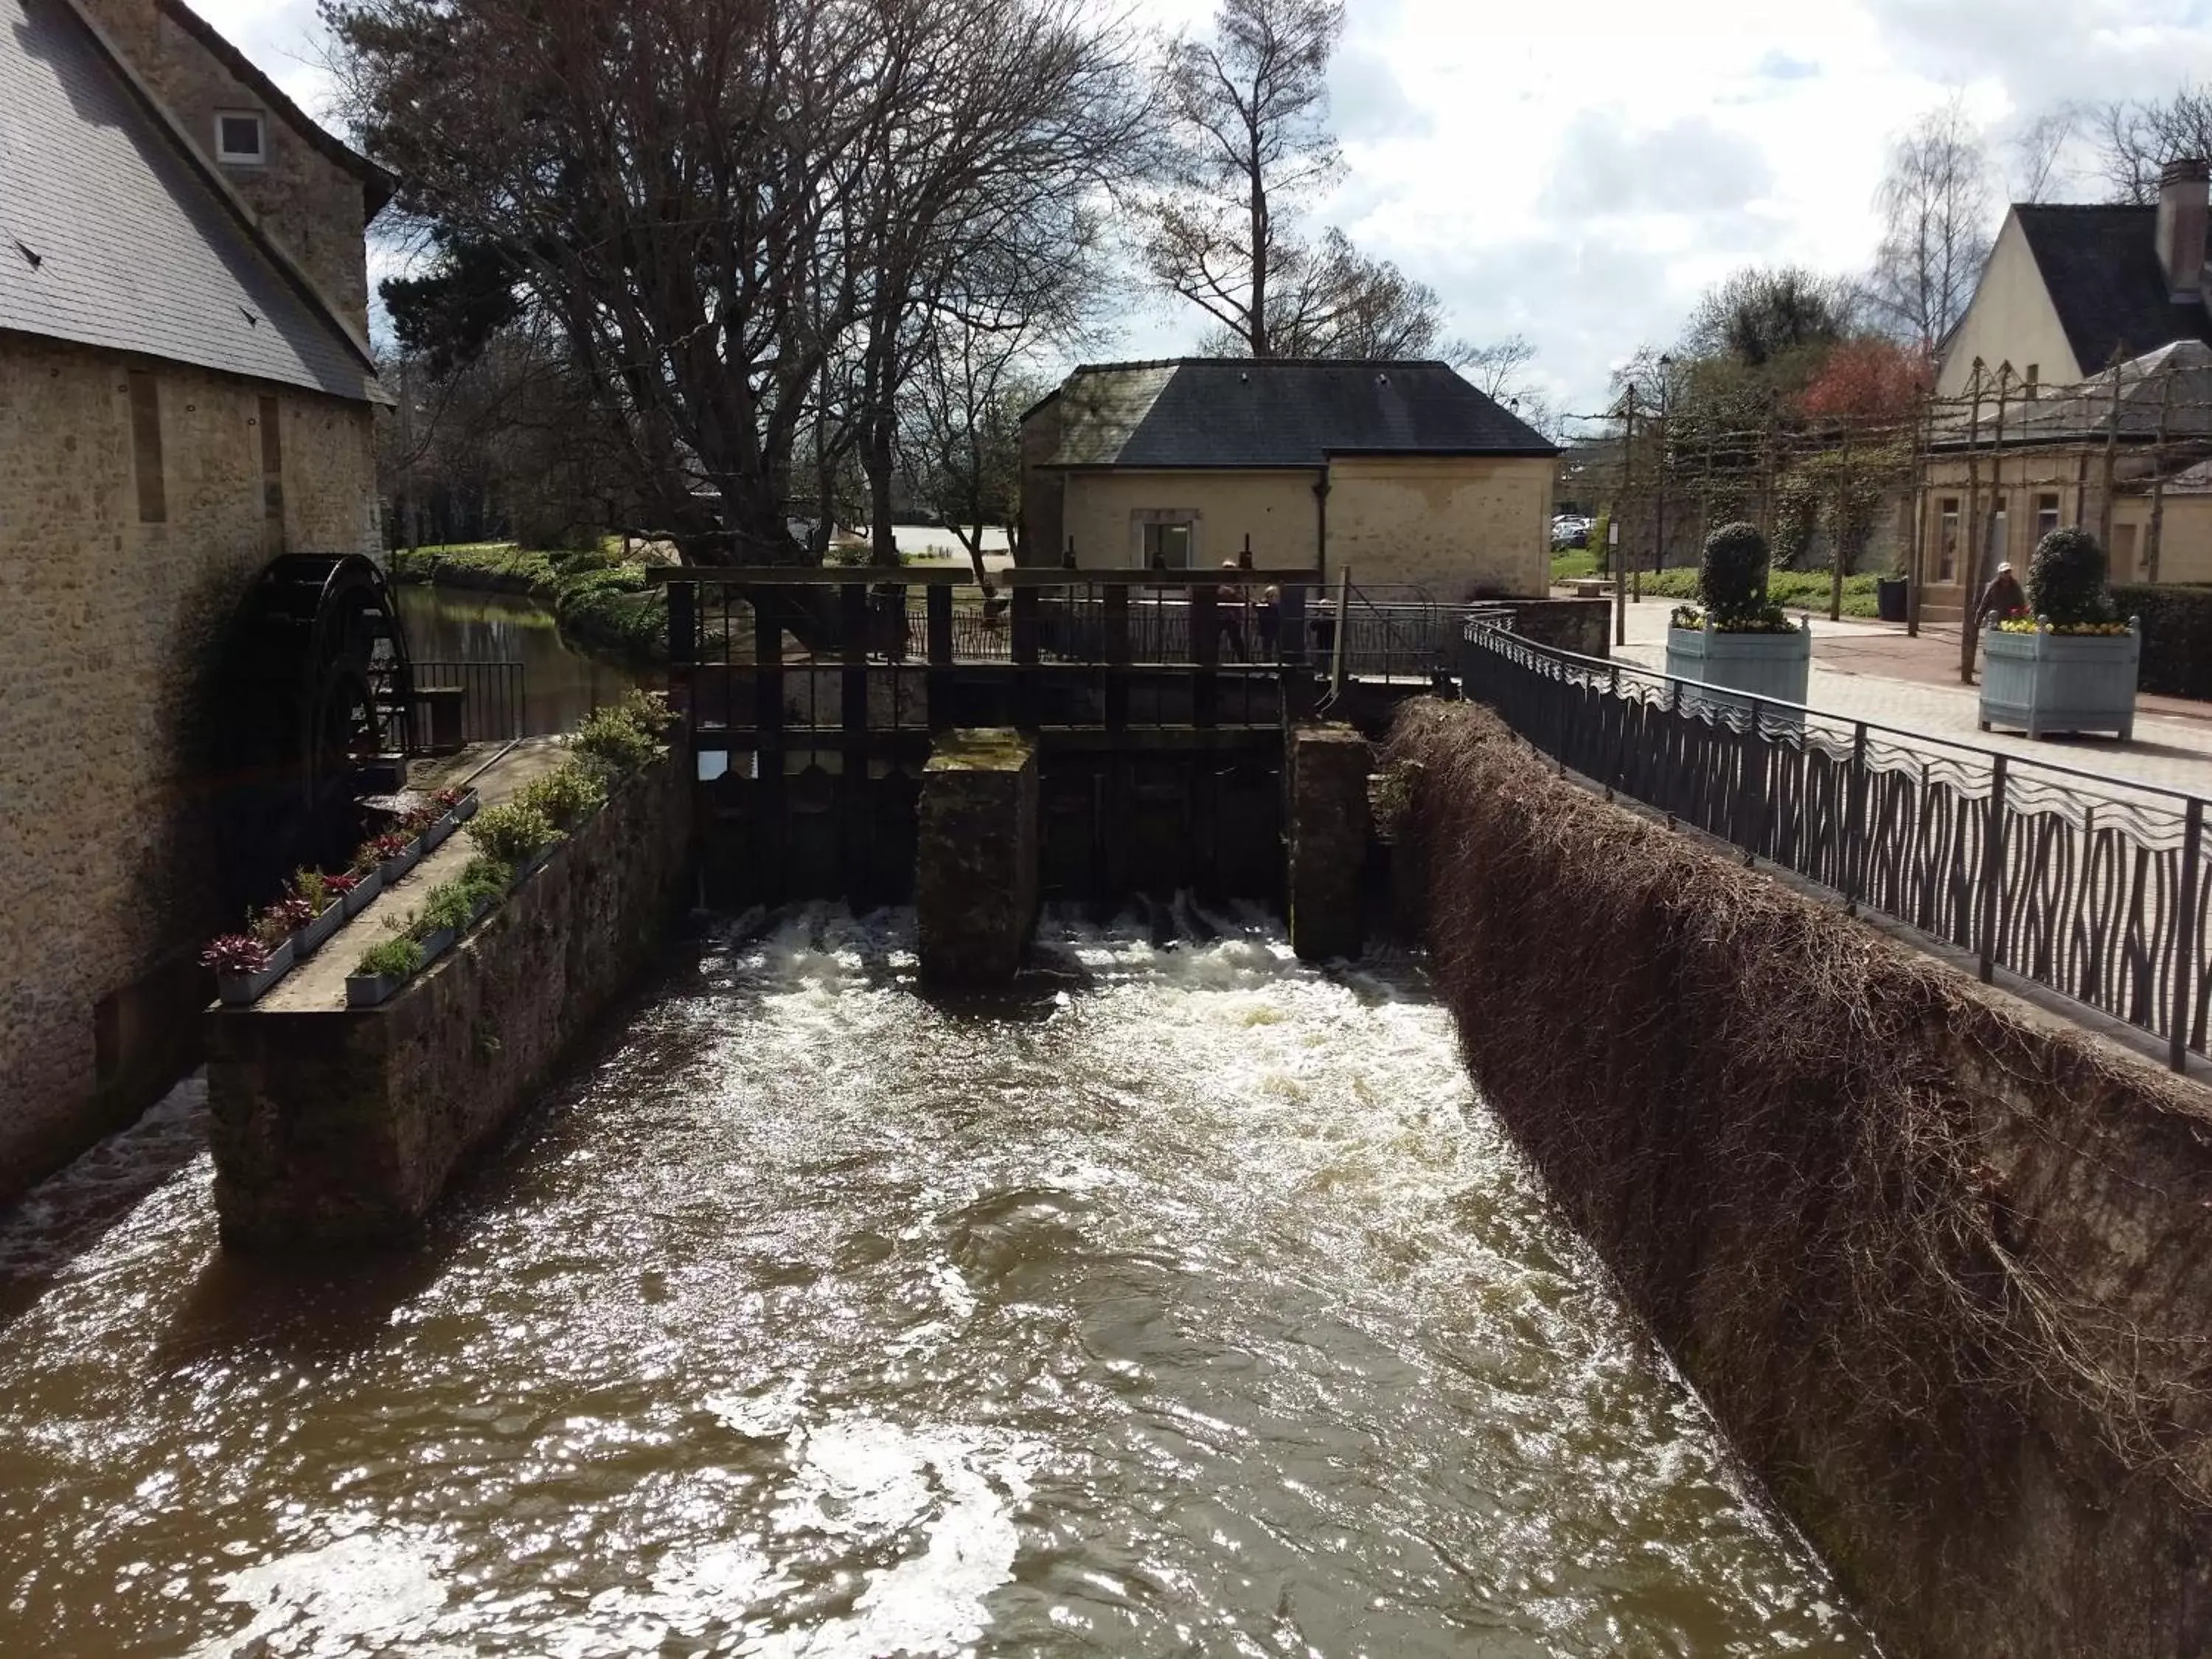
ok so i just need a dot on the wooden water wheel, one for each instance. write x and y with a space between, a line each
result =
315 712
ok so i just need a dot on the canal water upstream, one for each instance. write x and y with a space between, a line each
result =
561 683
1183 1301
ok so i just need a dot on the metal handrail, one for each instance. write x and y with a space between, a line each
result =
2090 886
1612 669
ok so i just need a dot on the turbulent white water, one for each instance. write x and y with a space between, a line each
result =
1183 1301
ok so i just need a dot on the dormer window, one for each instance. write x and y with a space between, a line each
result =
241 137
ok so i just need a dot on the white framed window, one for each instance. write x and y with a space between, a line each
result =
241 136
1165 537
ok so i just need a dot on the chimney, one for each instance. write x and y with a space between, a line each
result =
2182 189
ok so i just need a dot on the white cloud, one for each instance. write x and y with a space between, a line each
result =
1580 176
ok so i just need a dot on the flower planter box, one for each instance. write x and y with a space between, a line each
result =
239 990
436 944
364 891
2043 682
392 869
433 835
466 808
367 990
1771 668
312 938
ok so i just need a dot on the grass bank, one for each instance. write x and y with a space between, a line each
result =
599 600
1797 590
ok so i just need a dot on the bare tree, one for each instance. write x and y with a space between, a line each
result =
2038 150
2134 140
1935 208
1335 302
733 209
1250 145
1499 370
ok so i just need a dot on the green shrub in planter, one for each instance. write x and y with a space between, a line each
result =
614 736
448 905
485 879
566 795
512 834
397 957
1732 580
2066 580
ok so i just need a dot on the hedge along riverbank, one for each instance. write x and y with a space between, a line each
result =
598 599
1939 1263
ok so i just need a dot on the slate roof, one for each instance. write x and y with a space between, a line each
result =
2100 266
111 236
1219 413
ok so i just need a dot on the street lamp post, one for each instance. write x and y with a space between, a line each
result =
1659 502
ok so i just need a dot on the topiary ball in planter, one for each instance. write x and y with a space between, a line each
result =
2066 580
1732 580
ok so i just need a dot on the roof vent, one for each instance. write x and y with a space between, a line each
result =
35 260
252 321
1244 377
1381 380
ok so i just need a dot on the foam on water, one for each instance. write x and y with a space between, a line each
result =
1184 1299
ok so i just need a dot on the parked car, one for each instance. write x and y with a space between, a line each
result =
1569 530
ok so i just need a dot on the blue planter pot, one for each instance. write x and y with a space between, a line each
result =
364 891
242 990
2043 682
1768 667
312 938
367 990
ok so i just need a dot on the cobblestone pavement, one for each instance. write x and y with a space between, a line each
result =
1874 672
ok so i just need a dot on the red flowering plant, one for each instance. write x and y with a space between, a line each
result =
391 846
341 883
280 921
449 799
236 953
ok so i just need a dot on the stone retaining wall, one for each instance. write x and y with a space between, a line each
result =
340 1126
1940 1262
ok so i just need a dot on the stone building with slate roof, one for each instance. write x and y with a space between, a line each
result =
185 390
2100 315
1402 473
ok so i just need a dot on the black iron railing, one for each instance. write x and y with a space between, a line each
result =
463 703
2090 886
768 659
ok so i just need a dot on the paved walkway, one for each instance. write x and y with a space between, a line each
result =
318 983
1875 672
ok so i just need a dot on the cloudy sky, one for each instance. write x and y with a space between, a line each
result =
1578 174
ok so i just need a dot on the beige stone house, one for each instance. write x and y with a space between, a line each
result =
185 389
2077 389
1400 472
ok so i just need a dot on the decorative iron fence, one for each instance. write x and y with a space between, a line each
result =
2089 887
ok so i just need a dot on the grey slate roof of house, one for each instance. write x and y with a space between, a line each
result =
1234 413
2100 266
110 236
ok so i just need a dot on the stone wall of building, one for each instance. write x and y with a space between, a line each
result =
344 1127
109 630
310 205
1461 527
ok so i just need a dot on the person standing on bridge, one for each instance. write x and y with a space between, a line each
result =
1229 612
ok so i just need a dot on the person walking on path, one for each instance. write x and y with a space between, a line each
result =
2003 598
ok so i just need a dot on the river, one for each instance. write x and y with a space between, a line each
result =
561 683
1183 1301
